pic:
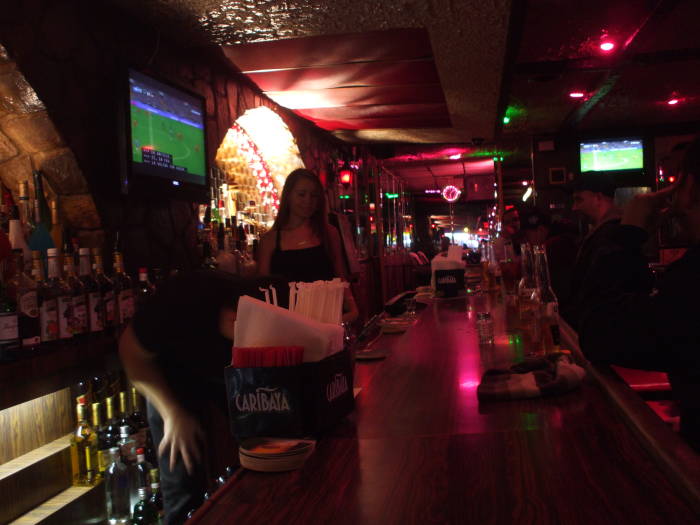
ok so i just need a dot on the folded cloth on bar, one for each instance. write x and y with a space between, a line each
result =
262 324
547 376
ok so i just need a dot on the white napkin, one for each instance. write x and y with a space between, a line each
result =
262 324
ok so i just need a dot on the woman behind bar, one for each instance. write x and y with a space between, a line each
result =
302 246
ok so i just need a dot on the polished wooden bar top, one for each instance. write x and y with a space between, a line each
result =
420 448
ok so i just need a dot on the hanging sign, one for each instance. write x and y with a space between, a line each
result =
451 193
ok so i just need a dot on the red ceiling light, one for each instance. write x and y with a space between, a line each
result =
672 101
346 176
672 179
577 94
607 46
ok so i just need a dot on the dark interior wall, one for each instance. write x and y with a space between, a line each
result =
74 54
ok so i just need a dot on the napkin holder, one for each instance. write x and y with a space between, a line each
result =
290 401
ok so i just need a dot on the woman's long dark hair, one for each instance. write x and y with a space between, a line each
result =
318 220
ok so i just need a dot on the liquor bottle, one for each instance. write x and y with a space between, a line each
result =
145 513
123 418
83 447
144 288
549 304
40 237
63 295
143 469
104 441
156 496
117 490
127 445
137 419
123 291
95 314
46 300
111 426
79 321
56 228
106 287
9 322
24 289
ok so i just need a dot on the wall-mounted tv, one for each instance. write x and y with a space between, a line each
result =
165 136
618 155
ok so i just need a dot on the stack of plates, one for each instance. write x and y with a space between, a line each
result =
275 454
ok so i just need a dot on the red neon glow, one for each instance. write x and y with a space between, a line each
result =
148 147
607 46
576 94
672 102
346 176
672 179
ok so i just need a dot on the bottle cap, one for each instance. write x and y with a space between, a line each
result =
140 451
84 251
52 252
124 429
114 450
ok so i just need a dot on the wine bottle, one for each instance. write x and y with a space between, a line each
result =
145 513
143 468
137 419
117 489
79 320
9 323
111 426
95 316
40 238
56 228
83 446
106 287
123 419
26 213
104 442
156 497
144 288
63 295
47 301
123 290
24 289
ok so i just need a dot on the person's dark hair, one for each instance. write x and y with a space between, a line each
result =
690 165
318 220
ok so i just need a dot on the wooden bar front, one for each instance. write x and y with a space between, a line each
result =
420 448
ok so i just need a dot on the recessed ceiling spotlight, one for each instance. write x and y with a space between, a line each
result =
577 94
607 46
672 101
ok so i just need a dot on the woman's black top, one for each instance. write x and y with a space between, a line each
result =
305 265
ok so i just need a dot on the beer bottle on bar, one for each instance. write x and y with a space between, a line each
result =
83 448
79 321
528 305
9 324
548 303
63 295
123 291
106 291
92 289
47 301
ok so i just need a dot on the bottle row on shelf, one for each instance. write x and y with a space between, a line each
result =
49 300
117 447
229 247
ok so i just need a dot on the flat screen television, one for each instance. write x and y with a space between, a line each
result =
165 138
617 155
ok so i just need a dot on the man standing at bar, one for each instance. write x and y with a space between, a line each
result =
594 198
657 330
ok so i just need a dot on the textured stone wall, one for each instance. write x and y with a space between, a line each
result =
73 54
29 140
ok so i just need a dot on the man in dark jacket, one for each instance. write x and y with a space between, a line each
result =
657 330
593 196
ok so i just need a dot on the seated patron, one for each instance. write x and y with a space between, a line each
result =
656 330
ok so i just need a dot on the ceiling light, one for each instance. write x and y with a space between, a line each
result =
527 194
577 94
524 183
672 101
506 120
607 46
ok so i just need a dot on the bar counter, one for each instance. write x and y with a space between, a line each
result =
420 448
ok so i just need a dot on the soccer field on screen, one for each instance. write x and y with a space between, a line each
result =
610 160
183 142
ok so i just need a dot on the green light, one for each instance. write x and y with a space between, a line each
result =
391 195
501 159
506 120
495 159
344 196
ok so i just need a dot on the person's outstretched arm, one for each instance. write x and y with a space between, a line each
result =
182 433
